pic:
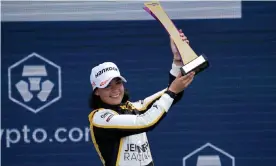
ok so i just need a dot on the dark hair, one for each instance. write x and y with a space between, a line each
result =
95 101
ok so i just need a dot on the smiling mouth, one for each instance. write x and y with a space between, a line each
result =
114 96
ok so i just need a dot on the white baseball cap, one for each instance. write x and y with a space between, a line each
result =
102 74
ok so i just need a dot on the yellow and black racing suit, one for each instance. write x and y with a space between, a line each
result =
119 132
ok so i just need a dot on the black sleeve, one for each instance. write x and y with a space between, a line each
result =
179 95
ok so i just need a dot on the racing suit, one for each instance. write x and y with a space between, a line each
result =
119 132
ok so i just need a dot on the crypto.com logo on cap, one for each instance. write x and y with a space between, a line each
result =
209 155
34 82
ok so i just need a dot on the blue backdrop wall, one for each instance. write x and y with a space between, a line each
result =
232 105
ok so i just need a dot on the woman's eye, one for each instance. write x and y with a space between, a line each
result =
119 82
108 86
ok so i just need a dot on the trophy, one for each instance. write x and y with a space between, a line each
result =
191 61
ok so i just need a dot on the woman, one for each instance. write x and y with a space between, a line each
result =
118 126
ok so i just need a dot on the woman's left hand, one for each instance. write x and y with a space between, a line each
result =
176 56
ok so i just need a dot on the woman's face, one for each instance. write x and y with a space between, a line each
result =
113 93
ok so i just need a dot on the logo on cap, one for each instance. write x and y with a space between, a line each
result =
105 70
104 82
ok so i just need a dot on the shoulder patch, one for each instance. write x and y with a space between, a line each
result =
106 115
109 117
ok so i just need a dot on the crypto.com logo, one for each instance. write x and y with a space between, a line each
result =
209 155
34 82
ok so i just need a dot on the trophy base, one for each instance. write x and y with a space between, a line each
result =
197 65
